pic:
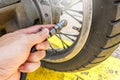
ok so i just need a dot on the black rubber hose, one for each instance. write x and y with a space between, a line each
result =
23 76
4 3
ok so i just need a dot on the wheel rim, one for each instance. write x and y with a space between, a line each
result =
78 13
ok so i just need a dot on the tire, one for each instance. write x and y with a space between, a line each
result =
103 38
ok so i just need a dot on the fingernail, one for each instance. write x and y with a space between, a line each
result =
44 30
41 29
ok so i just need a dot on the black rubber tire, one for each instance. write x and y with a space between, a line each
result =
102 41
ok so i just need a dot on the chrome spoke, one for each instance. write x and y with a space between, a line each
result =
80 12
73 17
74 4
68 34
53 50
68 37
64 43
61 41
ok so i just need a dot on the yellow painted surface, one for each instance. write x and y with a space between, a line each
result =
107 70
56 42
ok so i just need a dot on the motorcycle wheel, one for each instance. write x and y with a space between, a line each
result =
94 42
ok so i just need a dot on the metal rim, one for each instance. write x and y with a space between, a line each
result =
76 47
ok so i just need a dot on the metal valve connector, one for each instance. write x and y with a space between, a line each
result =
57 28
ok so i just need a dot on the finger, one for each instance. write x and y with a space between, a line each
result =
29 67
38 37
43 46
34 29
36 56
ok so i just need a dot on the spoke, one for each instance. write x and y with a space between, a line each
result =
68 37
80 12
73 17
58 2
74 4
77 16
64 44
69 34
75 11
69 6
61 41
53 50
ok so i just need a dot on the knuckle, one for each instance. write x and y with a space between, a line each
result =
47 33
43 53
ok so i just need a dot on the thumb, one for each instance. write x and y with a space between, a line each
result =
39 37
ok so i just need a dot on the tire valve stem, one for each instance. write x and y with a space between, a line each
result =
57 28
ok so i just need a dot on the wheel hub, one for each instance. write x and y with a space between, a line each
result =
44 11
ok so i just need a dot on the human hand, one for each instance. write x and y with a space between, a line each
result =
15 55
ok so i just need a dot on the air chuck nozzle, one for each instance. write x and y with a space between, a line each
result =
57 28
